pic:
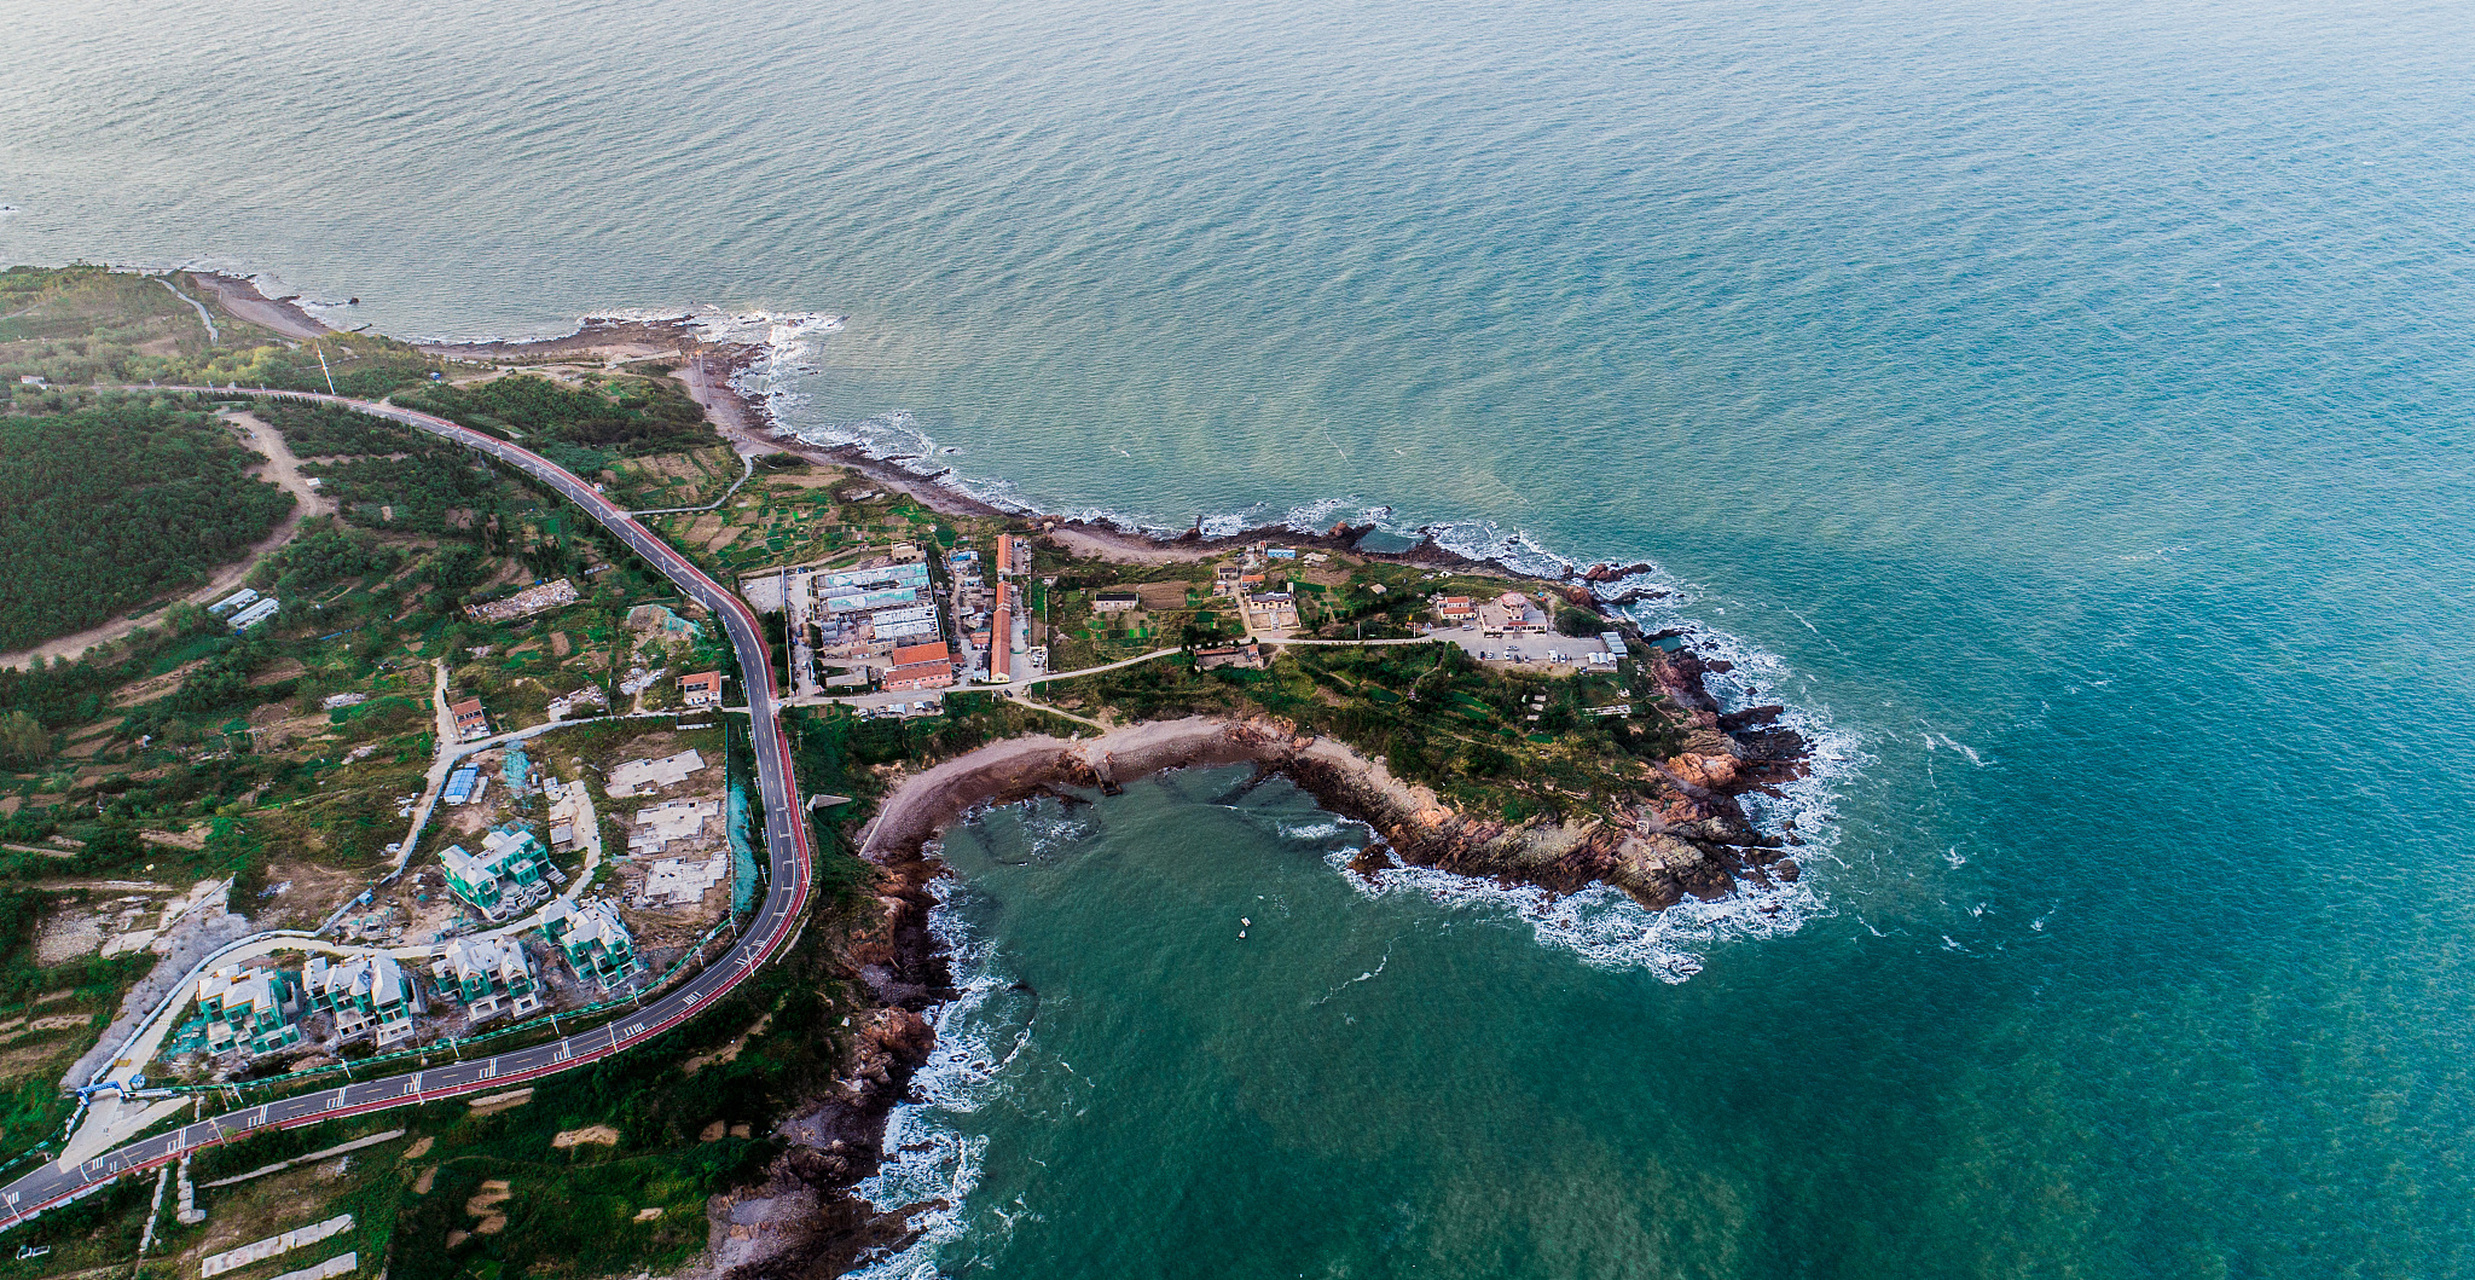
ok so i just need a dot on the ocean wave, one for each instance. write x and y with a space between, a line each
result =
1603 926
930 1166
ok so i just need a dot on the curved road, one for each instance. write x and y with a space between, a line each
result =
785 901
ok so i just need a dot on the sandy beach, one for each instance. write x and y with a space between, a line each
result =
242 299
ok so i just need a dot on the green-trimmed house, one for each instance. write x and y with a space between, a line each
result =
597 944
256 1010
368 994
509 875
489 976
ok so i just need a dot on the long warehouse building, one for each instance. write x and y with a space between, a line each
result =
1001 638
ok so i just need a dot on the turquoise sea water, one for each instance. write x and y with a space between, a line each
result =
2068 405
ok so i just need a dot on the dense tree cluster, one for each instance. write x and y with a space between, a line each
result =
628 416
414 489
321 557
112 506
324 431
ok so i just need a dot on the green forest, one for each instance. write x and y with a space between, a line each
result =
572 425
112 506
324 431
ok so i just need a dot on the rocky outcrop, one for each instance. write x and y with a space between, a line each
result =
1687 836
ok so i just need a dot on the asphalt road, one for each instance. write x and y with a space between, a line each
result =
775 921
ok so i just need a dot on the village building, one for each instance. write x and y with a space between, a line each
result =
1456 609
471 721
1010 557
1273 611
1001 637
488 976
920 666
464 786
596 943
1115 601
368 994
703 689
1230 655
256 1010
511 873
1512 614
256 614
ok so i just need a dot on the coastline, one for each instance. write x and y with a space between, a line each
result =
809 1209
1699 841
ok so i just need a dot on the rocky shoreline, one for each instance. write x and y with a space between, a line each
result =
1694 839
806 1218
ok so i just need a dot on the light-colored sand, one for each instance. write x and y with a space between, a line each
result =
601 1135
240 298
1122 548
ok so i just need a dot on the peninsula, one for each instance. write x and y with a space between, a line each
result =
701 696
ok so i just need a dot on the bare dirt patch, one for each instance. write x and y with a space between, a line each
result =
485 1205
66 935
728 1053
492 1104
152 687
592 1135
1162 597
277 672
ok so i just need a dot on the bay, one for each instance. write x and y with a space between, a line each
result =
2067 406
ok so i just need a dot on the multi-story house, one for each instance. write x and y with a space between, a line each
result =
597 944
368 994
510 874
489 976
256 1010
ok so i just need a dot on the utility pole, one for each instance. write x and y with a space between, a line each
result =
321 348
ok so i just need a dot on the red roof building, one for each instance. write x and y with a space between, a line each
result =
1001 637
920 675
703 689
913 655
470 720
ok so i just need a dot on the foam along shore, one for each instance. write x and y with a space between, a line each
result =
1697 840
1700 843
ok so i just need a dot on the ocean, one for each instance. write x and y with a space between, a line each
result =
2064 407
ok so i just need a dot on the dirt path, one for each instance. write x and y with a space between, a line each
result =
282 468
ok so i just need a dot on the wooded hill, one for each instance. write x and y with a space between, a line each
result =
112 506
